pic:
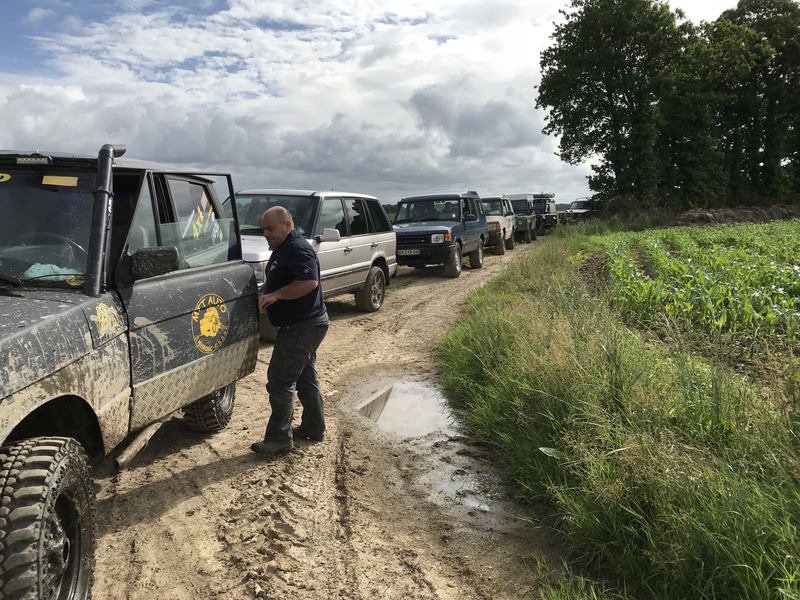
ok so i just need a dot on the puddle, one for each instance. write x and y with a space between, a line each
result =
455 476
409 410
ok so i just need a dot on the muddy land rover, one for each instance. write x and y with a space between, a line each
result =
124 299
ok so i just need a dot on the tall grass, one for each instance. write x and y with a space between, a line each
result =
672 477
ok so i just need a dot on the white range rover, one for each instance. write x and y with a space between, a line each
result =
351 234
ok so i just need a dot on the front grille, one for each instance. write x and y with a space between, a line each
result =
413 240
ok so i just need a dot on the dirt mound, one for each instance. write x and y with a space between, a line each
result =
741 214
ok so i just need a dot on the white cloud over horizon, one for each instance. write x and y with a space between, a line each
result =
311 94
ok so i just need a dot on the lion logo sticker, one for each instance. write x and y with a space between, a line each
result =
210 323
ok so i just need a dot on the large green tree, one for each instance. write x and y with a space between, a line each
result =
760 129
602 80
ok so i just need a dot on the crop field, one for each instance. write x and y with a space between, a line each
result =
742 280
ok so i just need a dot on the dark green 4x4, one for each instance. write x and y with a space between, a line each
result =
124 299
439 229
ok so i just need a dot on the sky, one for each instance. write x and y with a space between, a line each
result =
377 97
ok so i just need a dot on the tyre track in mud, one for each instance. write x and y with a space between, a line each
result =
199 516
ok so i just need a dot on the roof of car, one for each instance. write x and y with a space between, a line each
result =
121 162
290 192
494 197
443 195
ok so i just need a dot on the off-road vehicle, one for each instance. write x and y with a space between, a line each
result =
350 233
581 209
525 216
439 228
501 222
124 299
546 214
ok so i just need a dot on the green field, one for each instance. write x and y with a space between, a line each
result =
646 387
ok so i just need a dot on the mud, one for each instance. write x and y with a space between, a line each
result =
370 512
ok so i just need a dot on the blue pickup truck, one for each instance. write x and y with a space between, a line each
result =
439 229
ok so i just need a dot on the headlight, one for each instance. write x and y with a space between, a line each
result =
441 238
496 226
258 269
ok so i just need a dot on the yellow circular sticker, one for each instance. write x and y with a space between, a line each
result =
4 177
210 323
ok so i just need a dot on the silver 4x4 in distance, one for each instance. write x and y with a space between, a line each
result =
438 229
350 233
124 299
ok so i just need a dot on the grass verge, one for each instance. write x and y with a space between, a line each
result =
673 477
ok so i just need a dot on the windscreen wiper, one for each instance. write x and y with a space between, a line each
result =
7 278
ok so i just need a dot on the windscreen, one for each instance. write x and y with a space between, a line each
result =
251 207
45 224
427 209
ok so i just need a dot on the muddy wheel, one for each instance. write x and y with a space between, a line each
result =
47 523
370 297
453 266
212 412
265 329
499 248
476 257
510 241
526 236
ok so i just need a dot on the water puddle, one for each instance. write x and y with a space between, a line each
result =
409 410
456 475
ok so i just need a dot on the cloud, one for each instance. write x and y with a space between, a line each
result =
385 99
38 16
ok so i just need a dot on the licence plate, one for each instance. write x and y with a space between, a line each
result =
408 252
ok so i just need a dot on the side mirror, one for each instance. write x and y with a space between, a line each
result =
329 235
154 261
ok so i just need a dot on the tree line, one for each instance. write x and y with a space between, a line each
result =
676 114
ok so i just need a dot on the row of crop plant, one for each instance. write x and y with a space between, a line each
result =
742 280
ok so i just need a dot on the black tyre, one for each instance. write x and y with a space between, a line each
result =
499 247
47 521
533 234
212 412
526 236
265 329
476 257
510 241
370 297
454 265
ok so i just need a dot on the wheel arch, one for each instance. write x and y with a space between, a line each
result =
63 416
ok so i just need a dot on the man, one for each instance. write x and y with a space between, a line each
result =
292 297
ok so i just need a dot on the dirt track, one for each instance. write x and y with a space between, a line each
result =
353 517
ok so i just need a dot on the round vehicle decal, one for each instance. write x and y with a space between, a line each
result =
210 323
4 177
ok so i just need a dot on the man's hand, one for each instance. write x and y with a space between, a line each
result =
297 289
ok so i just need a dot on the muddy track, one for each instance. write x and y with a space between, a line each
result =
353 517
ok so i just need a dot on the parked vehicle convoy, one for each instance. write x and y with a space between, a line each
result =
546 214
501 222
350 233
124 299
525 216
439 228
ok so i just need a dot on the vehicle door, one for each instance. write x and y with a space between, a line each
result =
362 238
384 238
472 226
334 257
193 330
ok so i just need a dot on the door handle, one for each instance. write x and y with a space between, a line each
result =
348 250
373 245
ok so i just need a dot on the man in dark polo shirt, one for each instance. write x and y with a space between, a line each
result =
292 297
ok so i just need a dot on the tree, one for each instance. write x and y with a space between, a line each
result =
602 80
761 130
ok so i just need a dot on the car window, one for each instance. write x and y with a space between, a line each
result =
357 216
380 222
198 232
332 216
